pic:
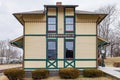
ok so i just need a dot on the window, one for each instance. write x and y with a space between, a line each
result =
52 49
51 24
69 24
69 46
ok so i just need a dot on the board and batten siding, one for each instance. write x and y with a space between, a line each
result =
86 47
35 24
34 64
60 21
86 28
35 28
86 64
86 44
35 47
69 11
60 48
51 12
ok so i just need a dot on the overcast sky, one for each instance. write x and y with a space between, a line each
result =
10 28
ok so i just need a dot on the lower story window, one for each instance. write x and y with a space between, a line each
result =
69 52
52 49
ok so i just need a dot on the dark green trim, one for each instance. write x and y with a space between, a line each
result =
60 59
53 63
85 35
35 35
85 67
30 69
65 39
67 32
56 23
85 59
47 60
18 44
46 34
102 44
57 33
57 38
46 51
34 59
74 37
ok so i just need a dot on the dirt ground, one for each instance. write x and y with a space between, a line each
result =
3 78
109 61
6 66
58 78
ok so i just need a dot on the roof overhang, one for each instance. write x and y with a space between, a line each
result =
18 42
60 6
19 16
102 42
99 16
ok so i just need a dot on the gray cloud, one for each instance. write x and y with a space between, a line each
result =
10 28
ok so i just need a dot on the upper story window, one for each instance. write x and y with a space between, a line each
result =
52 24
69 24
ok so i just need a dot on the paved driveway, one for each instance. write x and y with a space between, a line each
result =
113 71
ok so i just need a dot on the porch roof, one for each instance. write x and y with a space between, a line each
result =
18 42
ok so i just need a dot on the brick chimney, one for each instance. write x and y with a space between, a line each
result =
58 3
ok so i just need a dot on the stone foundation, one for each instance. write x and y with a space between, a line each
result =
52 73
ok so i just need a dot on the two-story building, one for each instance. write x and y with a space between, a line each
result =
59 37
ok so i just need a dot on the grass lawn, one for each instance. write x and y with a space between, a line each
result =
109 61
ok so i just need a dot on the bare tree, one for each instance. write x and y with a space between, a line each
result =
112 39
2 51
104 28
8 52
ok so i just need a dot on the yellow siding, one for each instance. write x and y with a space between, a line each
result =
60 48
86 47
60 21
35 18
34 64
60 64
69 12
35 47
51 11
35 28
85 28
84 18
85 63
